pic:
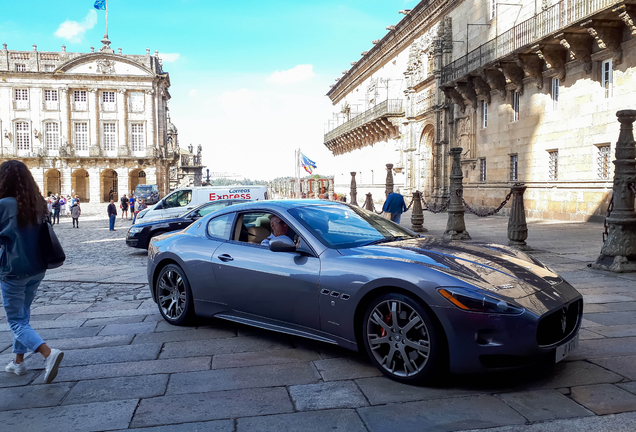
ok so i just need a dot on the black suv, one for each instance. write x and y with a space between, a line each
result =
149 193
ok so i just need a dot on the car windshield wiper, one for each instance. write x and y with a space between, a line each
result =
386 240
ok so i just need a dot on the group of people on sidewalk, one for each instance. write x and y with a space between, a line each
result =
56 206
124 203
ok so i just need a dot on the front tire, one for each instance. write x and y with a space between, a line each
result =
174 296
402 340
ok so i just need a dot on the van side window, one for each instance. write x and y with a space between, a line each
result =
179 199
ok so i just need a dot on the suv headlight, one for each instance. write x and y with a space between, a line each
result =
134 229
474 301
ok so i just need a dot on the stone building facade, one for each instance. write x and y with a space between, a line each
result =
528 91
86 123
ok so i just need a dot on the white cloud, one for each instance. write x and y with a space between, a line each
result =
193 93
240 101
169 57
73 31
293 75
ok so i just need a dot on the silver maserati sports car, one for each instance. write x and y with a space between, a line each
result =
345 276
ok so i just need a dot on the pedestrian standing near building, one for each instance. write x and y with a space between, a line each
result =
123 205
22 210
395 205
141 205
131 201
112 214
76 211
49 206
56 211
62 205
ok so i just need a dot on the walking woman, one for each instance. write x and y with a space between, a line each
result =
22 210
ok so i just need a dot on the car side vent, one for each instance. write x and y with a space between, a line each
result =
345 296
325 291
335 294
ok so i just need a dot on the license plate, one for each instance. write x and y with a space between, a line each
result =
566 349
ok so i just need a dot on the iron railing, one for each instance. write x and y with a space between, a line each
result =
424 103
525 34
390 107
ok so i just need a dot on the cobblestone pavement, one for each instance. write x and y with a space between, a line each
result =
127 369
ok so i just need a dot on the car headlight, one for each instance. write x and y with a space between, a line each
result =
134 230
474 301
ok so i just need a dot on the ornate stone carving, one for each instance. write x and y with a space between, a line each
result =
608 35
554 58
454 96
532 65
625 13
580 46
66 150
495 79
105 66
467 91
514 74
481 87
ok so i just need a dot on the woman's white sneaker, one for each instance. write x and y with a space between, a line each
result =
51 364
18 369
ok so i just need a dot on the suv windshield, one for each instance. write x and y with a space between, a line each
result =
342 227
143 188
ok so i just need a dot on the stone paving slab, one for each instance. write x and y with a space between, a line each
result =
100 416
211 406
440 415
128 329
629 386
242 378
568 374
181 336
615 331
110 389
607 298
100 322
270 357
613 318
541 405
625 366
49 324
35 396
12 380
608 347
222 346
106 314
116 354
133 368
211 426
382 390
604 399
329 395
346 368
609 423
310 421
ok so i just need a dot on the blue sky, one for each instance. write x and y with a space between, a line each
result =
248 78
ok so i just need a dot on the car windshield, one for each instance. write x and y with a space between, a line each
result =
341 227
144 187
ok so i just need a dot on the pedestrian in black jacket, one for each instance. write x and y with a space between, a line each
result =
56 211
112 214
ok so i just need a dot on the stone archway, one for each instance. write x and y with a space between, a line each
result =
52 182
426 161
136 177
109 182
80 184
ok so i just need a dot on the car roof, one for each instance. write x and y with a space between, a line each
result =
286 204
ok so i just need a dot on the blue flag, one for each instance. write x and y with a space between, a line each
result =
307 163
100 4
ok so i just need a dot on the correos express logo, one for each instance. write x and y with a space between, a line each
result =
232 194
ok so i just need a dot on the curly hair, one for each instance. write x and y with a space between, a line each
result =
16 181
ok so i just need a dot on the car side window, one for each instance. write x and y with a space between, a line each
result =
211 208
255 227
220 226
179 199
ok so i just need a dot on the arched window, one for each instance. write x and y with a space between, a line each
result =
52 136
22 136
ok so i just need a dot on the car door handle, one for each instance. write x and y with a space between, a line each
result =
225 258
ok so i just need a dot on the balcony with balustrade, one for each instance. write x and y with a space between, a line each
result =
568 30
374 125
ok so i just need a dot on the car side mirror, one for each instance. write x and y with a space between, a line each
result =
283 244
159 205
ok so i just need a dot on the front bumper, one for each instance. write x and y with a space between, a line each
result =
135 240
480 342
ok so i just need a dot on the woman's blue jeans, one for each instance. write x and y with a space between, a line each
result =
17 296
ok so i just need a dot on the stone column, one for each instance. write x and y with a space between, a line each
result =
456 228
619 250
94 147
65 110
354 189
331 187
417 215
517 226
389 180
123 145
368 203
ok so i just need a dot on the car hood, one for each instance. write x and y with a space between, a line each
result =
160 221
495 268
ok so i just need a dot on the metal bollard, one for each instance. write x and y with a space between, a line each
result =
517 226
417 215
368 203
456 227
354 189
619 250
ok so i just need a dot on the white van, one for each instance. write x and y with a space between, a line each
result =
185 199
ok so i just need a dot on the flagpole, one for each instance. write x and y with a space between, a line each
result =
106 19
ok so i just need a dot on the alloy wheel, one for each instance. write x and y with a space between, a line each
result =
172 294
398 338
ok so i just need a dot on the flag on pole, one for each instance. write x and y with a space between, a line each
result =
100 4
307 163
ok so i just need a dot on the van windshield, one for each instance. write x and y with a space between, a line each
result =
144 187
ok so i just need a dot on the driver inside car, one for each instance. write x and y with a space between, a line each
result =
279 229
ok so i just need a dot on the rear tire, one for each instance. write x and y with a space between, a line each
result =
174 297
402 340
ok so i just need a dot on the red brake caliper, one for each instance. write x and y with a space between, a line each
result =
386 320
